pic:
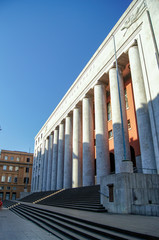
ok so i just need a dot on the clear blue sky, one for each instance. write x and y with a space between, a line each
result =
44 45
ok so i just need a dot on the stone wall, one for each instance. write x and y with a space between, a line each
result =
135 193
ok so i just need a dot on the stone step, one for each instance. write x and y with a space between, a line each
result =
53 230
79 204
77 229
79 198
83 208
35 196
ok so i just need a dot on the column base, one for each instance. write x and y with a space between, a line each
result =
126 166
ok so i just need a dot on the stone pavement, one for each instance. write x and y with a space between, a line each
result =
13 227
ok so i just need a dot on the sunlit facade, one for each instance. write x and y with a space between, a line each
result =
108 121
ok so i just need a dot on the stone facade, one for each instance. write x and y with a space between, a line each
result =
15 173
108 121
135 193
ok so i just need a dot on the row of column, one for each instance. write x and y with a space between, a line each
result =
69 152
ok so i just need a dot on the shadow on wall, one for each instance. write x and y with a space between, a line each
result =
147 129
148 138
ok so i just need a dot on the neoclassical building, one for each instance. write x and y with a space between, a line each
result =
108 121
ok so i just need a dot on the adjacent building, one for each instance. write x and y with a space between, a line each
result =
108 121
15 173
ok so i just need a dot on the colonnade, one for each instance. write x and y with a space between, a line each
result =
68 159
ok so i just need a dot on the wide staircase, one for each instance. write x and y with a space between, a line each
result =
82 198
66 226
64 218
36 196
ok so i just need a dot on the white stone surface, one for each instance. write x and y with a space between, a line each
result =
45 164
60 165
143 121
77 148
88 142
49 166
119 135
68 153
54 160
41 170
149 42
102 150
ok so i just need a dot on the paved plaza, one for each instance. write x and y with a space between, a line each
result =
13 227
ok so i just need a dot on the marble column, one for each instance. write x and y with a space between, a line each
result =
54 160
101 130
150 48
143 120
120 134
77 148
41 168
49 166
37 171
45 164
88 142
34 173
33 176
68 153
35 160
60 165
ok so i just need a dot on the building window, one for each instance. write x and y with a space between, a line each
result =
11 158
9 178
129 124
13 196
2 188
15 179
8 188
26 180
7 195
28 159
126 99
27 169
18 159
109 113
6 158
16 168
111 192
3 178
110 134
4 167
10 168
14 188
1 195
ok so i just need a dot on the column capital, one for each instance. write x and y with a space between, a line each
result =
134 43
56 128
120 67
78 105
99 82
63 121
69 114
88 95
